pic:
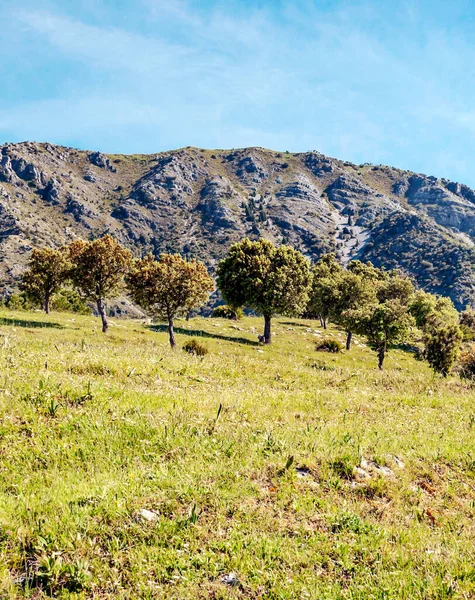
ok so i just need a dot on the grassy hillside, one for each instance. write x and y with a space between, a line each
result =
320 477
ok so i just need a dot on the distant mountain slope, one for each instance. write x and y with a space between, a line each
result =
198 202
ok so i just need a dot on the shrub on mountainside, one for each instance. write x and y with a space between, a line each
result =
438 318
329 345
442 347
466 362
467 324
227 312
196 348
18 302
69 301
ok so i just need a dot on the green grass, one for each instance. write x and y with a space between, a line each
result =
246 457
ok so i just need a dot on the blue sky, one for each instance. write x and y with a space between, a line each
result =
382 81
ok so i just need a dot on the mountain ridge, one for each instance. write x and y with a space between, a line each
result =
197 202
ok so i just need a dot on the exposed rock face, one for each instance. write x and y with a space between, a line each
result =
318 164
52 191
217 198
169 182
9 222
7 173
101 160
198 202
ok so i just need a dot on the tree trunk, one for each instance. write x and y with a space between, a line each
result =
46 307
324 322
321 321
381 355
171 332
349 335
267 330
101 309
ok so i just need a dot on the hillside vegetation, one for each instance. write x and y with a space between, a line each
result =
131 471
198 202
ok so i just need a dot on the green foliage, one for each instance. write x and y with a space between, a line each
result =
386 321
439 320
19 302
69 301
207 446
195 347
467 324
169 286
271 280
98 271
329 345
224 311
47 271
326 276
353 291
442 347
466 362
427 308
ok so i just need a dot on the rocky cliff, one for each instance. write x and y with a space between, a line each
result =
198 202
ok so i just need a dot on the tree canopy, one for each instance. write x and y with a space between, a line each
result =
271 280
99 268
169 286
48 270
326 276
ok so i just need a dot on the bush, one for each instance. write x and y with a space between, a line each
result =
467 324
69 301
466 363
328 345
196 348
226 312
18 302
442 347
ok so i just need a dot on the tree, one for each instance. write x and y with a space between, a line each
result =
271 280
353 292
384 324
387 320
326 276
442 335
98 272
169 286
47 271
428 309
442 347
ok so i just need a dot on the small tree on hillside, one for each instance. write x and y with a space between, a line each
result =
428 309
438 318
169 286
353 293
98 272
47 272
442 346
386 321
384 324
326 277
271 280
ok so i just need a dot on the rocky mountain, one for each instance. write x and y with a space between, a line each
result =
197 202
